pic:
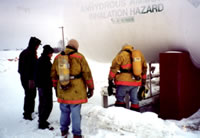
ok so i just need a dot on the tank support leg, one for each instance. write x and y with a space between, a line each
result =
105 101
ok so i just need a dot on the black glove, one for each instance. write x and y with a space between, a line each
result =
137 78
110 91
64 87
141 93
143 82
31 84
90 93
110 87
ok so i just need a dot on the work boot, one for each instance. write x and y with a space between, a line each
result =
64 133
77 136
120 104
47 122
45 126
135 107
28 117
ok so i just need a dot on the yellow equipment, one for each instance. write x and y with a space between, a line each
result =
142 93
137 63
64 70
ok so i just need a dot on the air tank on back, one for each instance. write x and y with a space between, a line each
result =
102 27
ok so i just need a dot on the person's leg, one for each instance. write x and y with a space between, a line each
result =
76 119
32 100
43 111
45 104
134 99
49 103
120 94
29 100
41 104
27 97
64 118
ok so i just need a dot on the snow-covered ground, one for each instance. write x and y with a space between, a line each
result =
97 122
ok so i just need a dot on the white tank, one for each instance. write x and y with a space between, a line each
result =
102 27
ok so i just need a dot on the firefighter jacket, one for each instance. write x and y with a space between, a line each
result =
123 61
76 93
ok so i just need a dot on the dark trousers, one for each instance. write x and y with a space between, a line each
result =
45 104
29 98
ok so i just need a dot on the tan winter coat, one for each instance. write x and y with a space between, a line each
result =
77 91
123 61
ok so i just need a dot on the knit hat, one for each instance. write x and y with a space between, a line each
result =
47 49
73 43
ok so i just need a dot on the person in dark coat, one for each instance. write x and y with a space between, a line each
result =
26 69
44 84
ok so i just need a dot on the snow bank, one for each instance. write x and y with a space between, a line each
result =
140 125
97 122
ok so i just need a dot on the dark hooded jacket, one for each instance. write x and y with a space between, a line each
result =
43 70
28 59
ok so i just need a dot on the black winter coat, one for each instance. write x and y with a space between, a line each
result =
43 72
27 63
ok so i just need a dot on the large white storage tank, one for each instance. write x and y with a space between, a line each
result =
153 26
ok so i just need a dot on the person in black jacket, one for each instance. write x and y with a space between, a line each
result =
44 84
26 69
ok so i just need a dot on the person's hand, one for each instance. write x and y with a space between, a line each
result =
143 82
64 87
137 78
31 84
110 87
142 93
90 93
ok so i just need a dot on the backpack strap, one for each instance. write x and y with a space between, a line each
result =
130 52
126 70
76 76
127 51
70 53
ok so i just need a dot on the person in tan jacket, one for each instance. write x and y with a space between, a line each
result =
121 73
78 91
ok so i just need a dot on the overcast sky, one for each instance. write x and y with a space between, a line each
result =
21 19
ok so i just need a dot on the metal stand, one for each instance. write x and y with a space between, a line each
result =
127 98
105 101
150 76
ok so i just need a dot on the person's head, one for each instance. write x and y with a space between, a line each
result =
73 43
47 50
34 43
127 46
